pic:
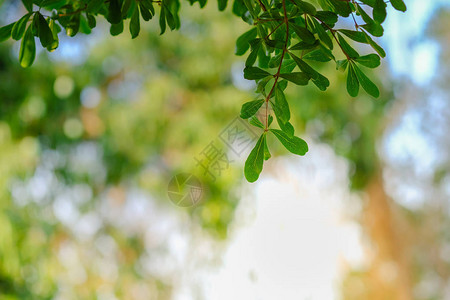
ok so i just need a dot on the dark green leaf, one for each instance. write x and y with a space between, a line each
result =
250 108
304 46
255 46
19 27
114 12
398 5
254 73
375 46
145 12
379 11
323 35
135 26
354 35
27 50
94 6
162 20
352 82
347 48
328 17
303 33
5 32
222 4
293 144
44 32
298 78
321 82
370 60
116 29
342 64
366 83
282 105
91 20
243 42
28 5
305 7
317 55
254 163
304 67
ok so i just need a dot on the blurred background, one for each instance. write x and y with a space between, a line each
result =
91 135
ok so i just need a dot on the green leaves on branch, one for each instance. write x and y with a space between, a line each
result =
286 41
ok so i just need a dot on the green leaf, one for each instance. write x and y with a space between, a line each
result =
328 17
221 4
254 73
73 25
256 122
28 5
379 11
19 27
270 120
293 144
135 26
347 48
398 5
366 83
318 55
282 105
114 12
357 36
254 163
44 32
250 108
27 50
145 12
304 46
305 67
255 46
243 42
370 60
91 20
267 154
323 35
116 29
162 20
321 82
126 5
94 6
342 64
303 33
374 45
298 78
371 26
305 7
352 82
54 29
5 32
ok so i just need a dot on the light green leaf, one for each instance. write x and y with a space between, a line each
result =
19 27
256 122
255 160
293 144
27 50
267 154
